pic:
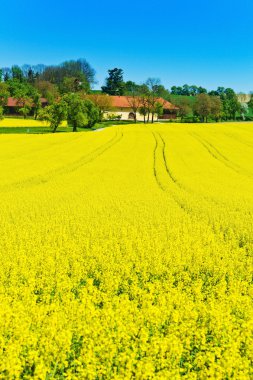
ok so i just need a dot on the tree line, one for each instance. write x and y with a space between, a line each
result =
67 87
192 101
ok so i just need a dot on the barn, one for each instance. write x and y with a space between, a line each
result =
13 105
124 106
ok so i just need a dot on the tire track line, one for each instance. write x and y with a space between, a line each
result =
43 179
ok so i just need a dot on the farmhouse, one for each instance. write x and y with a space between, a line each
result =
123 107
13 105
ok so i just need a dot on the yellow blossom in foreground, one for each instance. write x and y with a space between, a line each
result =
127 254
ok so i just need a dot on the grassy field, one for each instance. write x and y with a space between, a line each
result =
127 253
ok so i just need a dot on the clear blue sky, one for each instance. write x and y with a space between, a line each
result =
203 42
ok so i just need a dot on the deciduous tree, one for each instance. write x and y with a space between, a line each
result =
202 107
55 114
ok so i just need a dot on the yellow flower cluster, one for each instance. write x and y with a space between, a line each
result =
127 253
18 122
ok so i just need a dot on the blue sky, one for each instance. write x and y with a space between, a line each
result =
203 42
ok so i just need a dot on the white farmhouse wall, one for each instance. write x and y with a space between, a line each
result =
125 115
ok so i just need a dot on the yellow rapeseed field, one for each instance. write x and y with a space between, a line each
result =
127 253
18 122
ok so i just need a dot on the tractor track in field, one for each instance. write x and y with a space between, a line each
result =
239 139
216 154
42 149
165 161
173 181
164 185
173 187
155 163
66 169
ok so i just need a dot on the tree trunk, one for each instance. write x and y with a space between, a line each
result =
152 120
74 128
148 117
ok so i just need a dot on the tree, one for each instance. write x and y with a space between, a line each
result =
4 94
250 103
183 104
134 99
92 113
72 84
244 110
193 89
36 102
47 90
129 86
202 90
143 111
114 82
158 109
17 73
202 107
231 104
213 93
153 94
24 102
55 114
25 110
31 76
80 70
220 90
103 103
186 90
216 107
144 102
1 113
176 90
76 111
22 98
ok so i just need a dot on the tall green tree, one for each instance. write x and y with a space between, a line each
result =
4 94
80 70
231 104
202 107
55 114
36 103
76 112
47 90
114 82
184 105
92 113
216 107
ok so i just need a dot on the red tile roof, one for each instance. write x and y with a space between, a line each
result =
123 102
12 102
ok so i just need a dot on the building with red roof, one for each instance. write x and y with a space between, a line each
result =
13 104
124 106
